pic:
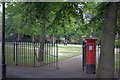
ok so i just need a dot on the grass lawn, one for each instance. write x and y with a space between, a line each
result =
25 53
69 51
117 61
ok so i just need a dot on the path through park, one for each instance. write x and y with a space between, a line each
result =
70 68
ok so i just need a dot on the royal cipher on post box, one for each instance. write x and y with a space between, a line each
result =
91 55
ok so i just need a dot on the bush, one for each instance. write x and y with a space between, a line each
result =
117 43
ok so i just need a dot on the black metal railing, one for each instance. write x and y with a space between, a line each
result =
28 54
117 60
83 55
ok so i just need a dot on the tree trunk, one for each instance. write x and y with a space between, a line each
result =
18 37
42 40
53 40
106 61
44 16
33 38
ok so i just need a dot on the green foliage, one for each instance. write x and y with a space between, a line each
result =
61 18
0 22
89 12
96 21
118 22
117 43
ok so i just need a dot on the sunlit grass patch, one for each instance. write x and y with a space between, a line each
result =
69 51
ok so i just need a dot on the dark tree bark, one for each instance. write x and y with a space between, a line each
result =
33 38
44 16
18 37
42 39
106 61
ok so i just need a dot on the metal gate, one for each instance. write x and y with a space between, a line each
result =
21 53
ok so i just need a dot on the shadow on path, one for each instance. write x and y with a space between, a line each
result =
70 68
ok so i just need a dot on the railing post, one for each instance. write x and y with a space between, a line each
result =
98 54
3 42
53 60
34 52
14 51
47 54
57 66
83 55
16 56
119 62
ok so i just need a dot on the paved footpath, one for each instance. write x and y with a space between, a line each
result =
70 68
0 57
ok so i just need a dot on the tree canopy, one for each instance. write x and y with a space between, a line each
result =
61 18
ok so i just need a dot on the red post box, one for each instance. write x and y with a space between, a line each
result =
91 55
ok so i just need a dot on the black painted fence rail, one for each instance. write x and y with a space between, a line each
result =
28 54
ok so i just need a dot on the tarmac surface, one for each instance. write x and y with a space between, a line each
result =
0 58
69 68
